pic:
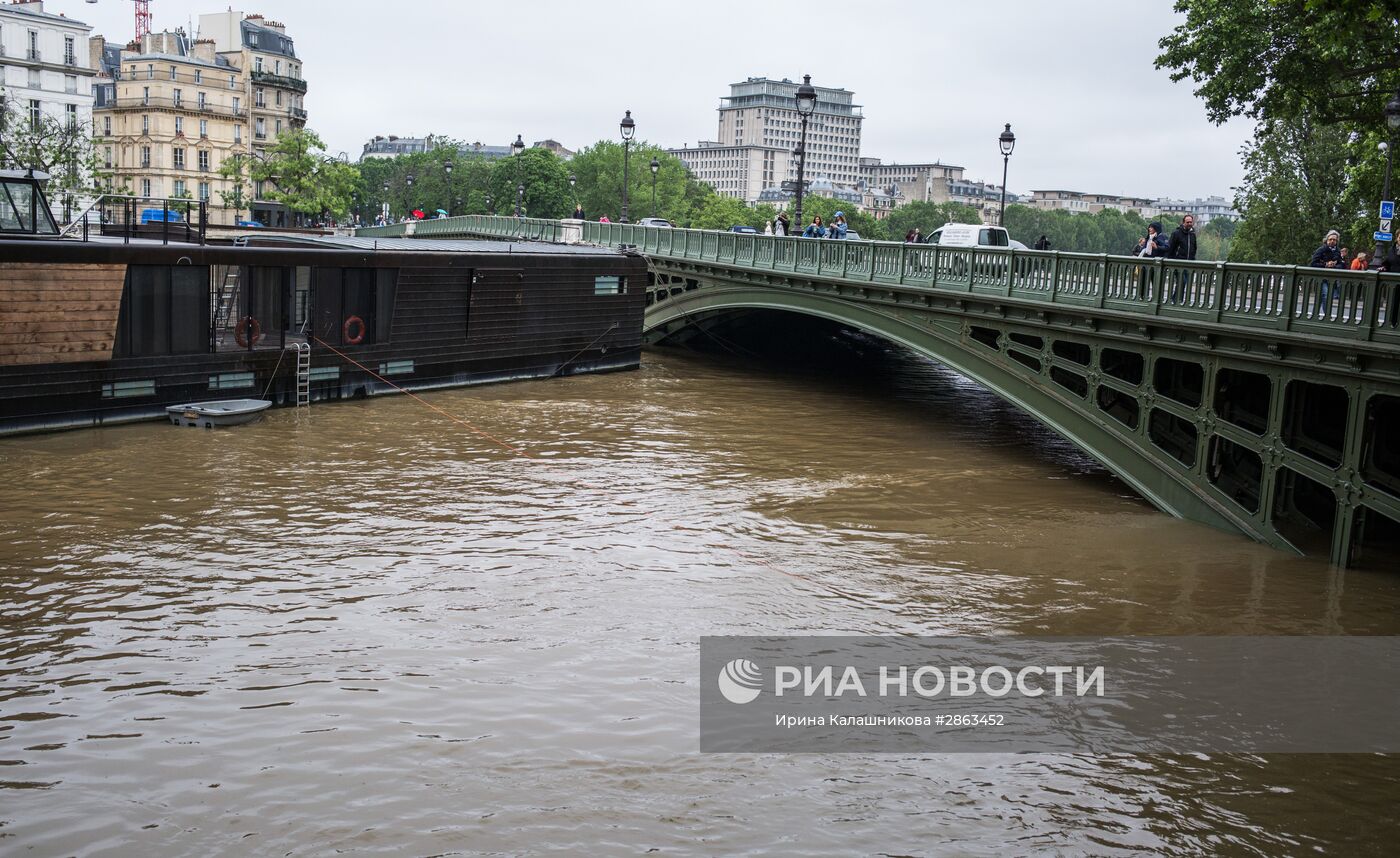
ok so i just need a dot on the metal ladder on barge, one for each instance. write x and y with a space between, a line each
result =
303 373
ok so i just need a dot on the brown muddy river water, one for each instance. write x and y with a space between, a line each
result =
366 628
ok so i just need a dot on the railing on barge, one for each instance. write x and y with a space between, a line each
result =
127 216
1359 305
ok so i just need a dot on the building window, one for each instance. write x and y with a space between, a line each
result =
204 191
179 97
72 112
231 83
279 127
69 56
145 95
146 188
279 98
260 98
204 160
203 128
107 126
258 190
109 157
145 124
238 133
70 84
179 125
172 73
260 129
258 64
201 101
237 104
198 76
179 158
36 114
35 81
146 158
34 44
179 188
150 71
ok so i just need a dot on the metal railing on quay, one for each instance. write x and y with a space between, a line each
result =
1362 305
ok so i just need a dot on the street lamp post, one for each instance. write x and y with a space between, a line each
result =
806 103
386 202
573 181
1392 122
628 128
517 148
447 168
489 210
520 200
655 168
1008 143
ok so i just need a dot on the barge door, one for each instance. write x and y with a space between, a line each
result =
495 311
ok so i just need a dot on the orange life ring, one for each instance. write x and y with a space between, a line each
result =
345 331
247 330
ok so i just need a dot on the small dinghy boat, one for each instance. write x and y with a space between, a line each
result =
224 412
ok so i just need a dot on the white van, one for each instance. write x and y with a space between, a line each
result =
970 235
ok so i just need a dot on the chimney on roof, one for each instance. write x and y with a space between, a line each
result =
276 25
97 45
203 49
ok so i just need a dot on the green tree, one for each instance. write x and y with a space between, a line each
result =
303 178
234 169
599 171
927 217
721 213
50 145
1295 178
546 181
1333 60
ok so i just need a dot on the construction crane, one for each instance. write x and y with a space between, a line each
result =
143 17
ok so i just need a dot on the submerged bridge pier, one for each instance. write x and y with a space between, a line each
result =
1259 399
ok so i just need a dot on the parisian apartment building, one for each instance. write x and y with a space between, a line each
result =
171 110
45 69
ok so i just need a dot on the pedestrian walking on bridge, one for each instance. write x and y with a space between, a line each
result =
1182 245
1327 256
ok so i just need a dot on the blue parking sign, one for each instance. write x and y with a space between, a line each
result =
1387 209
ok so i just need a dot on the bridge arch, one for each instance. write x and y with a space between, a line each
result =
1150 470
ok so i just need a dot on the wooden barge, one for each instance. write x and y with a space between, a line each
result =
102 331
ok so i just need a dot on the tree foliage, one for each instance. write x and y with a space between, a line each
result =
1335 60
302 177
927 217
1296 173
52 146
599 171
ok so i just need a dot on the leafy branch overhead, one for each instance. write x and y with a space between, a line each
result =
1338 60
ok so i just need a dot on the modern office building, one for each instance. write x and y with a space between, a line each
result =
759 130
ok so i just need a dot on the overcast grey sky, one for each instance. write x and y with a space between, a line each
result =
936 80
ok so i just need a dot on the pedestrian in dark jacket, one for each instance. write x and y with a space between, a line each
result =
578 212
1182 246
1042 243
1391 264
1327 256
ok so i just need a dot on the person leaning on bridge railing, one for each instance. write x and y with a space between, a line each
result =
1327 256
1182 245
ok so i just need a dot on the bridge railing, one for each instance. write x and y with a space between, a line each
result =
1362 305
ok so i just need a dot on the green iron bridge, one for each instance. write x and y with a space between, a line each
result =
1259 399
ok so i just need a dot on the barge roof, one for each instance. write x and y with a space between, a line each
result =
429 245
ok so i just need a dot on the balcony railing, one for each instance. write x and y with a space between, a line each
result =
293 83
173 104
33 54
296 112
70 60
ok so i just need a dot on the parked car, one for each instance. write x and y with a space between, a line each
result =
852 235
656 221
746 230
970 235
161 216
251 223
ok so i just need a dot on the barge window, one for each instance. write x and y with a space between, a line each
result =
164 311
609 285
